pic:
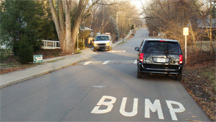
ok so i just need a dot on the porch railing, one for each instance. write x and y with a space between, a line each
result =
50 44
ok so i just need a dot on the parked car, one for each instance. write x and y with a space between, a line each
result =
160 56
103 42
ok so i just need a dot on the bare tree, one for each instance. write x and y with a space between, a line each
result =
61 13
171 16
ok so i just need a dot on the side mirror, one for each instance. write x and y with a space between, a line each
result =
137 48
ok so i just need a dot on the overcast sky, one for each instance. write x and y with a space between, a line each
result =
139 3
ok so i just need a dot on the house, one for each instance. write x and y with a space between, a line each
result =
88 38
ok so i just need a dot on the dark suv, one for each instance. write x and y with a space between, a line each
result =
160 56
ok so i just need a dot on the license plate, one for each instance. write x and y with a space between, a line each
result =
161 60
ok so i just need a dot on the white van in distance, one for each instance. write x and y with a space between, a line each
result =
103 42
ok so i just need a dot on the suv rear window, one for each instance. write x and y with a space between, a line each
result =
101 38
161 47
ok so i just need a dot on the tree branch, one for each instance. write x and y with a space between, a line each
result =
87 12
55 18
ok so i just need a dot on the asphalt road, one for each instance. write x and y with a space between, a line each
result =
103 88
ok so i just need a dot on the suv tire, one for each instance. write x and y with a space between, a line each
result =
139 74
178 77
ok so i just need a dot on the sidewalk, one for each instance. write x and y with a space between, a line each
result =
48 66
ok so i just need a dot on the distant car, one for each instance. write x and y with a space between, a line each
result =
103 42
160 56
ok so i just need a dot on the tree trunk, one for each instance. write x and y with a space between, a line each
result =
68 41
66 36
75 30
194 39
60 34
81 8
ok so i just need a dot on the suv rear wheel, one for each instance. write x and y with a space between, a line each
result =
178 77
139 74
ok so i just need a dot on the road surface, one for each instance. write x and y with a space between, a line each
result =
102 88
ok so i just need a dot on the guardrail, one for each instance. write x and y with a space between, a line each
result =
50 44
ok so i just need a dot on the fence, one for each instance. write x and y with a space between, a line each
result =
202 45
50 44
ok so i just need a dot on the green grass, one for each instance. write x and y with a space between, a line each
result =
209 74
78 51
121 43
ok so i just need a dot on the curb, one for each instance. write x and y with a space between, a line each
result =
52 59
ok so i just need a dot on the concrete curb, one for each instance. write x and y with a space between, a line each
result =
52 59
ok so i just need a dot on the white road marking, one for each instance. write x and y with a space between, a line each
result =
102 101
134 110
174 110
135 62
148 107
110 62
123 51
106 62
87 63
98 86
156 106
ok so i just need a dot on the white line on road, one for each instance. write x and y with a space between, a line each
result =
106 62
86 63
135 61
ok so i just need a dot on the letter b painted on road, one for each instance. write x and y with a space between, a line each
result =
102 101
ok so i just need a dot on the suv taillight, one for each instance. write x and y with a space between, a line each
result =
141 57
180 59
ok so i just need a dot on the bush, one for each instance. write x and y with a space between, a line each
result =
24 52
4 53
132 27
81 45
